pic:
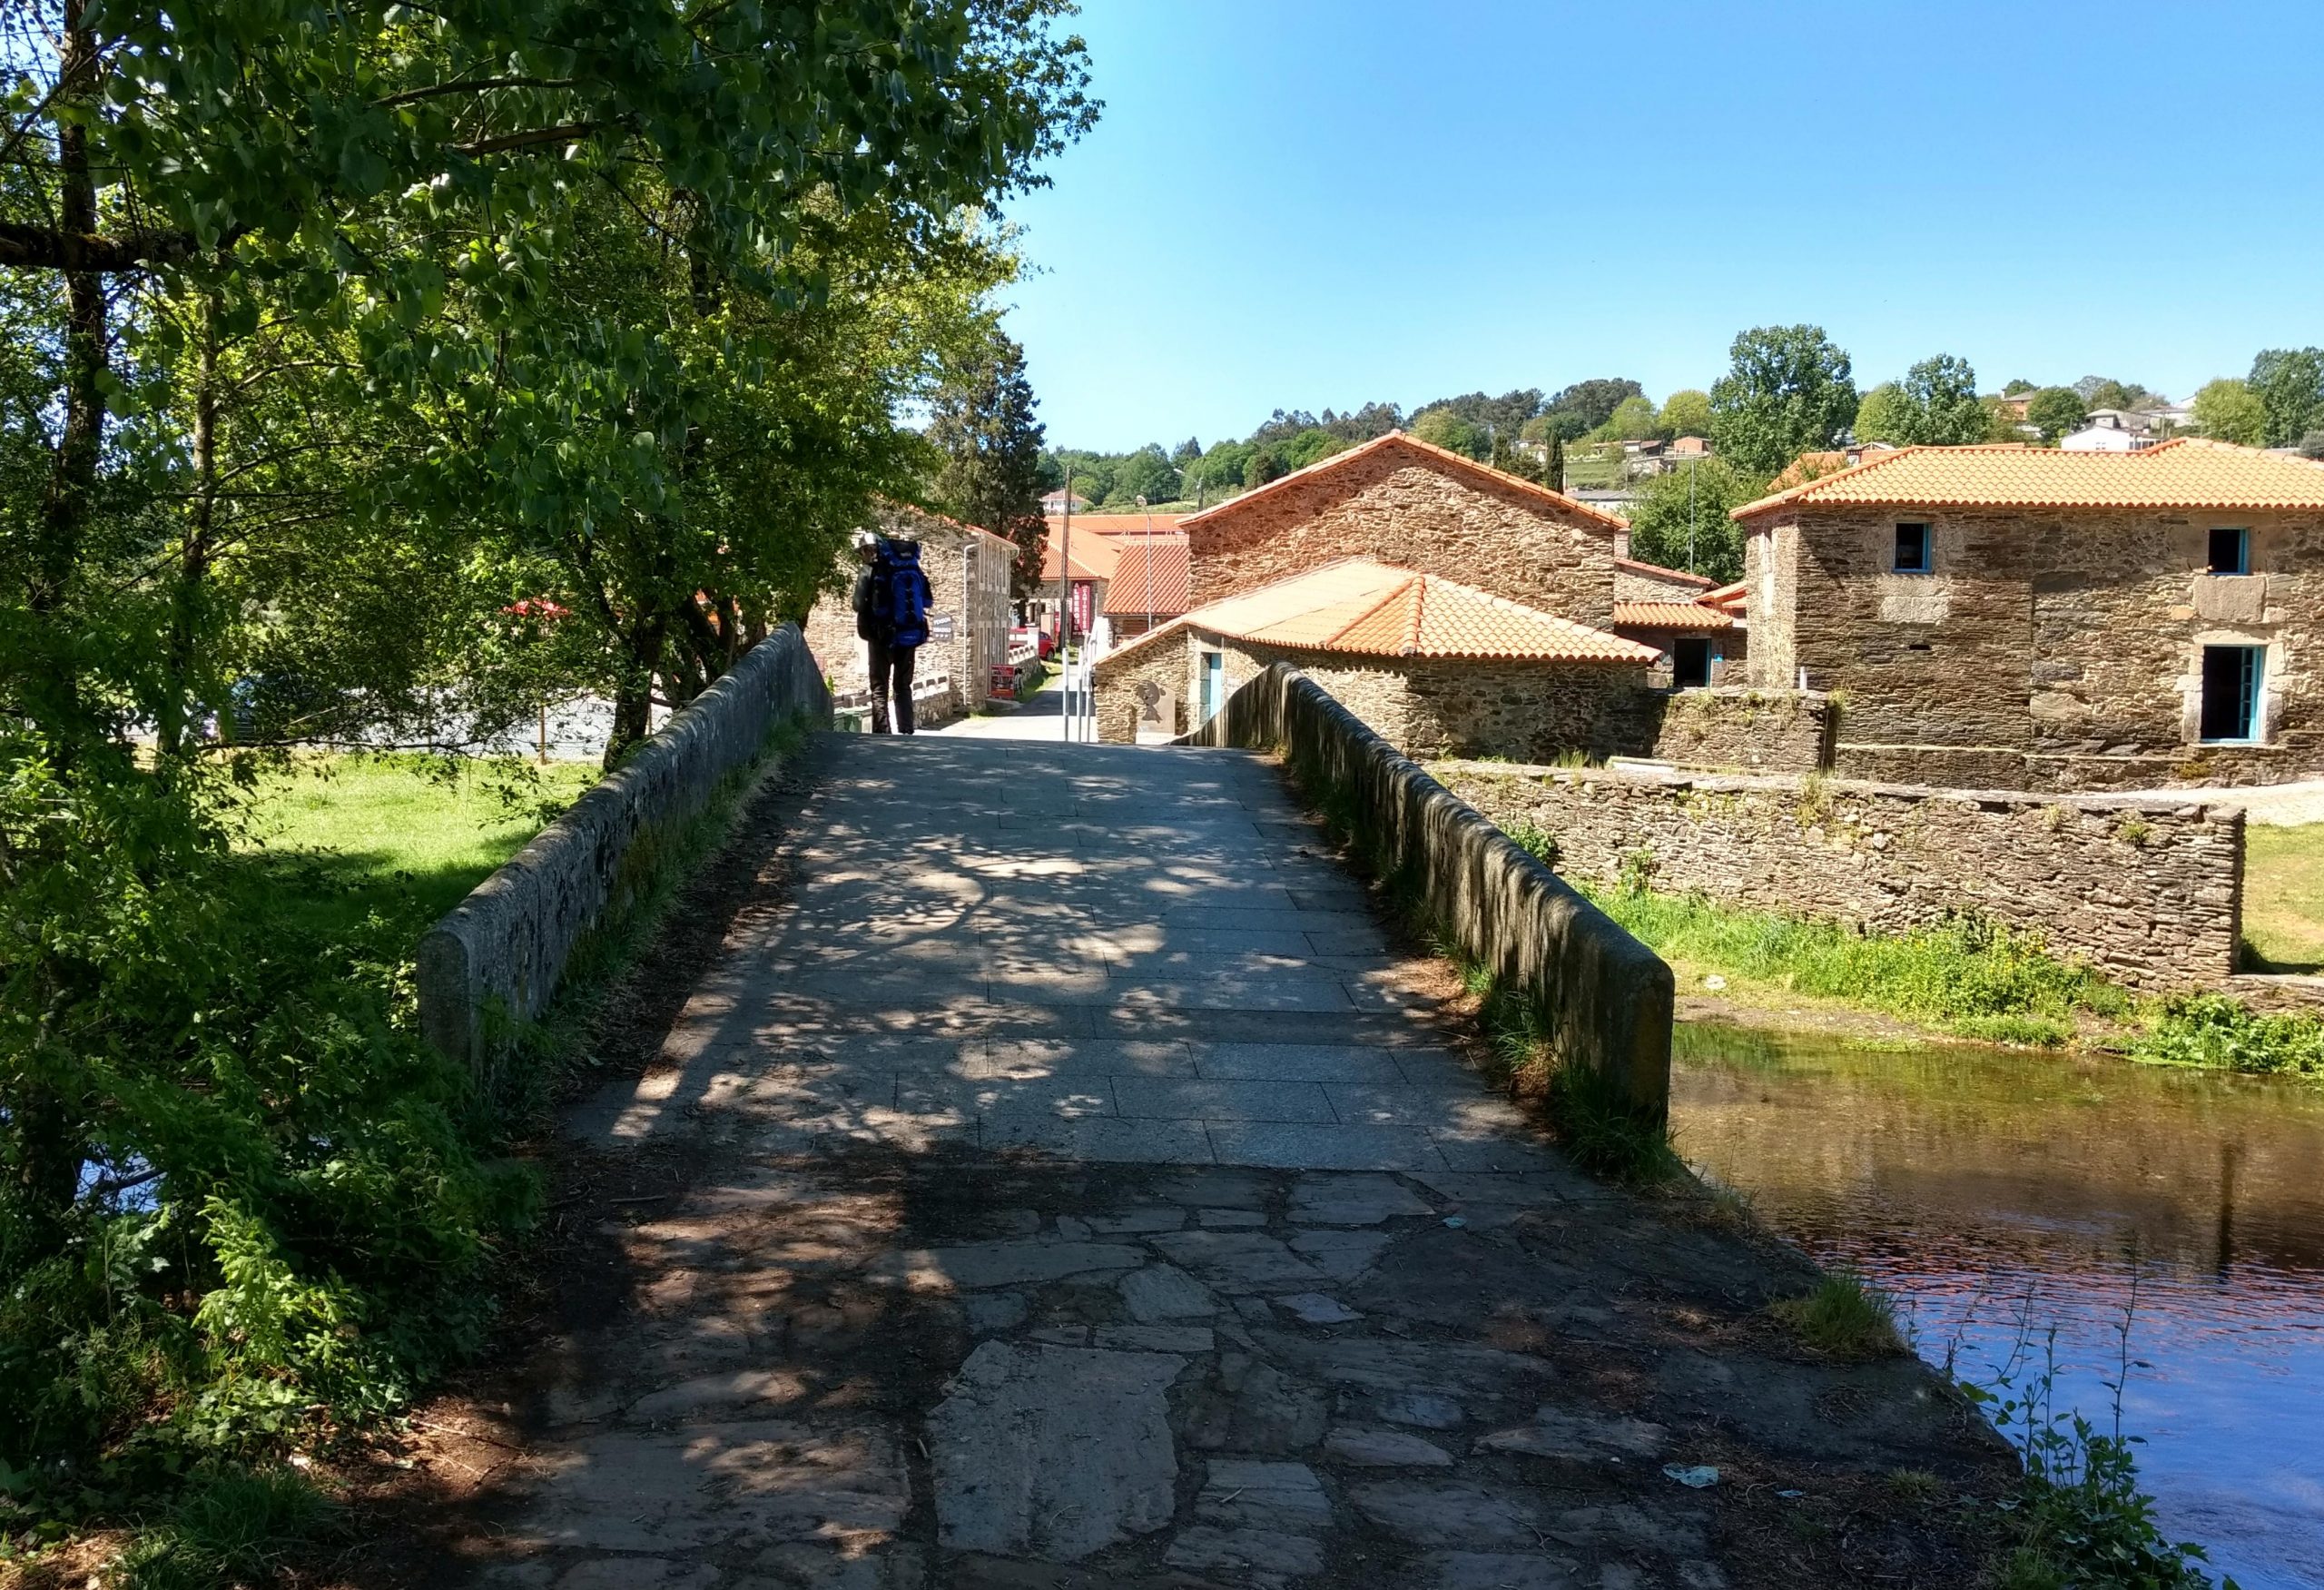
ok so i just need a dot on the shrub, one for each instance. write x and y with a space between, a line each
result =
1845 1316
2214 1032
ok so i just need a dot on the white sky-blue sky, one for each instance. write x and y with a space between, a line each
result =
1314 202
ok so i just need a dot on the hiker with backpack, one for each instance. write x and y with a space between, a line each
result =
891 602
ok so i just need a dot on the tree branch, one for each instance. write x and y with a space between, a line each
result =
475 85
52 248
566 133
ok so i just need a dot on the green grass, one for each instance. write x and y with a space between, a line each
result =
2283 898
404 836
1967 977
1845 1316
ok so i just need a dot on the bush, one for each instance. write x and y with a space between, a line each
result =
2214 1032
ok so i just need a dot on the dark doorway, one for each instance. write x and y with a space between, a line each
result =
1691 662
2231 692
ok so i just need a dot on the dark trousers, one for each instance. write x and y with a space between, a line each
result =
891 663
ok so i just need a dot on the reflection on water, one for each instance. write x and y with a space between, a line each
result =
1982 1188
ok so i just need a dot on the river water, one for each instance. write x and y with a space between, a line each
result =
1998 1195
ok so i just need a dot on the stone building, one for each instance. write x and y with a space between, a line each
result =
2029 618
1434 666
968 577
1405 503
1702 642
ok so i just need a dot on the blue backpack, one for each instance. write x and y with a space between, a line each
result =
900 593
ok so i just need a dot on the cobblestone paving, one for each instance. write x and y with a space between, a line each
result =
1078 1198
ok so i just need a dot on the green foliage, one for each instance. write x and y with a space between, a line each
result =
1788 391
2215 1032
2099 391
1685 412
2055 411
1679 519
1844 1317
2289 385
2016 389
1443 427
1582 408
1536 842
991 443
1966 977
1936 405
2081 1522
230 1527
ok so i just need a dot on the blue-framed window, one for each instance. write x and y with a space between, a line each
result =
2231 693
1913 548
2231 549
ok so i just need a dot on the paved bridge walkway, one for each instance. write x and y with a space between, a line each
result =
1076 1193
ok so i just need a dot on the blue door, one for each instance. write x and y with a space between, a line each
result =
1214 684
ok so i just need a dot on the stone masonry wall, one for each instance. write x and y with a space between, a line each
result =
505 947
2149 890
1121 680
1767 731
1401 508
2044 650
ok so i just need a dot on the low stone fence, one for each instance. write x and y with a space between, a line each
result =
1607 997
2149 890
498 955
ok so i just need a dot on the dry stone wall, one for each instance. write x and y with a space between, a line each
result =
1760 731
2148 890
1402 507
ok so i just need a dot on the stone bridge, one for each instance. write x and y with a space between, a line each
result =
1059 1178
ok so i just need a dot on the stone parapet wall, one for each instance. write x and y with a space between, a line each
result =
1993 767
1607 997
498 956
2148 890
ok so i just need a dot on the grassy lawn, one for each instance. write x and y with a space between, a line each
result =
402 837
2283 897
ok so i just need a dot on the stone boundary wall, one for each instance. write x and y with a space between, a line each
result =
500 952
1728 725
1607 996
2149 890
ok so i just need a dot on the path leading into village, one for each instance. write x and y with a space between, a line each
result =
1076 1190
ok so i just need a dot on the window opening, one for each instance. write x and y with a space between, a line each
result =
2231 692
1912 550
2230 551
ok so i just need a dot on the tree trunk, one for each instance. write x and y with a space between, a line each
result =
634 699
177 706
52 686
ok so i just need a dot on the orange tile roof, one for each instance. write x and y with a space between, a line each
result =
1366 608
1151 575
1094 556
2182 473
1659 572
1673 615
1428 452
1729 597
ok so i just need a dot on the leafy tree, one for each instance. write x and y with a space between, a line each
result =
2312 445
1443 427
992 457
1633 420
1221 470
1265 464
1365 424
1583 406
2106 392
1507 413
1685 412
1679 519
2055 411
1936 405
1187 452
2017 389
1884 414
1145 473
2289 382
2228 409
1310 446
1788 391
334 338
2002 421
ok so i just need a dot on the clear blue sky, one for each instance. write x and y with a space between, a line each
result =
1311 205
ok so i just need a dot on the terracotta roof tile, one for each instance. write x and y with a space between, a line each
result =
1673 615
1638 565
1459 463
1151 575
1368 608
1094 556
2182 473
